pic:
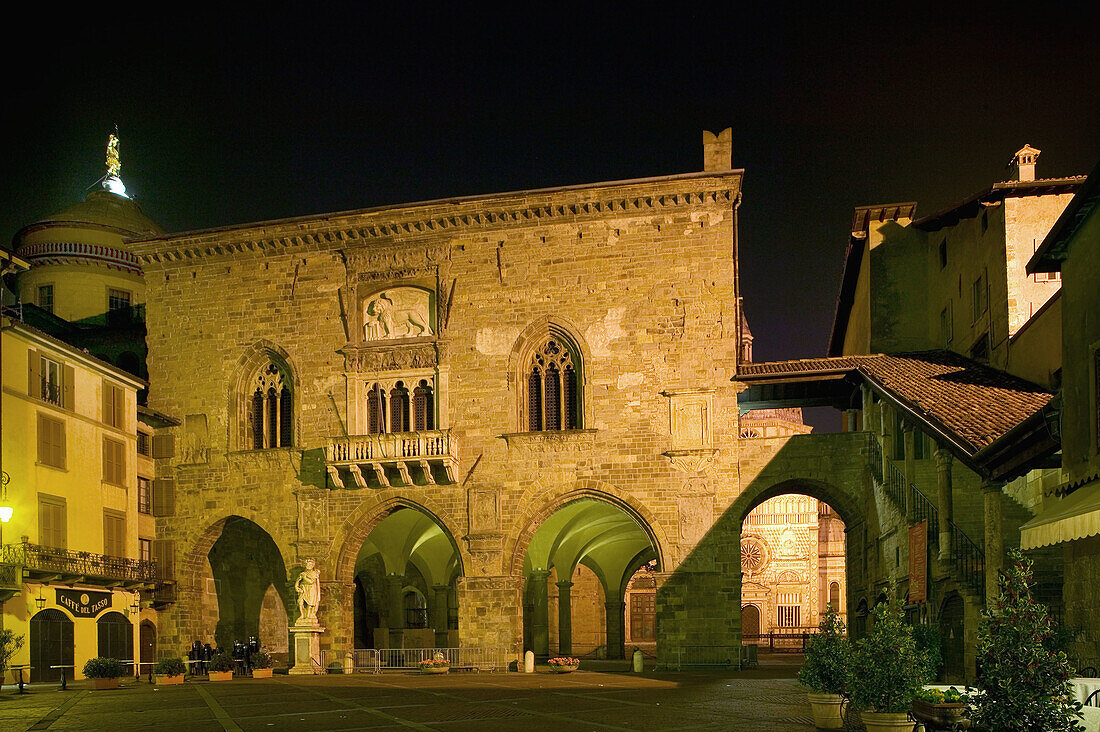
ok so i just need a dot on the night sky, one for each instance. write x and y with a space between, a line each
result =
228 117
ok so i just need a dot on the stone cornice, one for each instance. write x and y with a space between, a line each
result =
525 208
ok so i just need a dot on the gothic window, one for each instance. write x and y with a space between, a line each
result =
834 596
399 408
376 410
271 407
423 407
553 399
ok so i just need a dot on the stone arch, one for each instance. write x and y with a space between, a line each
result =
550 501
255 357
842 501
531 338
340 560
195 568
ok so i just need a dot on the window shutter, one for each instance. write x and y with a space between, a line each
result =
164 554
164 497
34 376
68 376
59 443
45 440
164 446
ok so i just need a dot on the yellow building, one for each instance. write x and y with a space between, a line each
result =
78 546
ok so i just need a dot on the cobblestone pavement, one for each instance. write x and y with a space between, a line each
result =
755 701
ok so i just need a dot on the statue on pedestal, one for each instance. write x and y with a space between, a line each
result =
308 587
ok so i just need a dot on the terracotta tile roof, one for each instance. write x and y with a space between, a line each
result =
975 403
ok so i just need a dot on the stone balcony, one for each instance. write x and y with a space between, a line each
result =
392 459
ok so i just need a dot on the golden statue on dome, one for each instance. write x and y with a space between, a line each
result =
114 162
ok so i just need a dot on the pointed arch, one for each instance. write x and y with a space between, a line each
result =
547 374
264 399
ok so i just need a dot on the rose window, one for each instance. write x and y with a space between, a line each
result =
754 554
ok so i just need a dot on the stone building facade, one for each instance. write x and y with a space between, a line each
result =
546 376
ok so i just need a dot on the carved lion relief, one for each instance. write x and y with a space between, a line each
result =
400 312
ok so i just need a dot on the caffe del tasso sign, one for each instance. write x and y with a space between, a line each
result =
84 603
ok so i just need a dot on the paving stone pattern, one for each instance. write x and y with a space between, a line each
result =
579 701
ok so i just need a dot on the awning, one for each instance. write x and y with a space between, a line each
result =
1074 517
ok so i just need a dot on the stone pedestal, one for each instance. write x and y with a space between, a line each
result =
307 646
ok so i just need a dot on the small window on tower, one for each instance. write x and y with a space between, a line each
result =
45 297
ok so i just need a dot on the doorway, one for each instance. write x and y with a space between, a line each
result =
51 645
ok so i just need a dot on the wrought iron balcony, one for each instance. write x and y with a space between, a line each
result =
393 458
47 562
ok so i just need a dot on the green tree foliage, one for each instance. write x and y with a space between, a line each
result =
888 669
929 640
170 667
1023 681
828 666
9 644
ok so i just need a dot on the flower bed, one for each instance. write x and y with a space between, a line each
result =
434 666
563 664
941 708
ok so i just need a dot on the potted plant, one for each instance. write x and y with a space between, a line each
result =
1024 679
564 664
103 673
827 671
434 666
221 667
888 669
261 665
944 709
170 671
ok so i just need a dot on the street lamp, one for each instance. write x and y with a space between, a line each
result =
6 510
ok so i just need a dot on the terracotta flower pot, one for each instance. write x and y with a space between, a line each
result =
221 675
163 680
564 669
261 673
886 721
826 709
104 683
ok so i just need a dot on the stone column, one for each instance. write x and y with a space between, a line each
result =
945 507
440 613
908 436
540 619
565 619
887 443
396 620
994 539
616 640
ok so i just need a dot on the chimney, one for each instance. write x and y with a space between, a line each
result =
1023 163
718 150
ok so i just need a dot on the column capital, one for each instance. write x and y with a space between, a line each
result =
564 584
990 486
441 588
542 573
943 459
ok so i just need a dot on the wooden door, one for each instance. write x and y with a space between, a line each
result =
51 645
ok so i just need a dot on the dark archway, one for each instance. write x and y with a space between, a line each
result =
51 645
953 632
750 623
244 563
116 636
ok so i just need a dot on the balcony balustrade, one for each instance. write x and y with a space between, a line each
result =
393 458
42 562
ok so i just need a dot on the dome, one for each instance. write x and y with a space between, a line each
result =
103 208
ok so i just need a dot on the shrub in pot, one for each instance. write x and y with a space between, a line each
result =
1024 680
888 669
170 671
261 665
827 671
104 673
221 667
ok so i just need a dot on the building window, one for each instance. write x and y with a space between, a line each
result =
979 297
788 616
145 550
376 410
145 495
399 408
143 444
423 408
114 462
51 521
947 325
49 372
114 534
51 442
1048 276
834 596
45 297
271 418
114 404
553 399
118 299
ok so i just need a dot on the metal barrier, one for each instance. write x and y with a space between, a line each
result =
712 656
371 660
